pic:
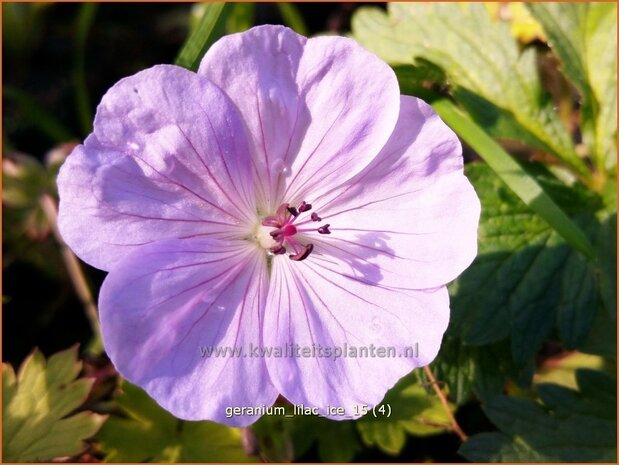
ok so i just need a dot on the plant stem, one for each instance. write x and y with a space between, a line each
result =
441 395
74 269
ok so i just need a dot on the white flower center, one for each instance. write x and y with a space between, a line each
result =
263 236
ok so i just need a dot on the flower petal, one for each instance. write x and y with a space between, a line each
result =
317 111
166 302
313 304
412 216
168 158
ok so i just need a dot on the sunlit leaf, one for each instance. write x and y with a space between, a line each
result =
497 84
584 36
147 433
569 426
562 371
38 405
510 172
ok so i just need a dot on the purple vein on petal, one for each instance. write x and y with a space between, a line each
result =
182 186
310 156
221 189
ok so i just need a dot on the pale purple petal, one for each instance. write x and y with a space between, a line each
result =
315 303
165 301
412 216
168 158
317 110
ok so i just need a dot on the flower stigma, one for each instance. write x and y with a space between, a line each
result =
278 234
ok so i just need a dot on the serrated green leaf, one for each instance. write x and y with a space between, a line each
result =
584 36
578 302
523 275
374 29
569 426
511 237
413 410
37 407
512 173
150 434
497 84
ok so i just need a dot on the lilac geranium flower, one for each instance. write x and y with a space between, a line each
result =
286 194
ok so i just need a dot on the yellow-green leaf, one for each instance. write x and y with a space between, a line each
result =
38 404
148 433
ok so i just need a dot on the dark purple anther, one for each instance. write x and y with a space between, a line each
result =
307 249
293 211
304 207
278 249
315 217
275 233
324 229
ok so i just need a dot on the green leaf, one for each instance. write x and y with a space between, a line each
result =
38 404
412 409
497 84
211 27
522 275
524 185
606 246
602 338
569 426
454 366
494 366
147 433
584 37
578 301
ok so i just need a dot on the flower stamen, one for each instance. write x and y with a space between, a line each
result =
285 231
